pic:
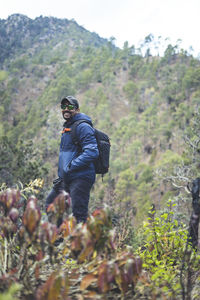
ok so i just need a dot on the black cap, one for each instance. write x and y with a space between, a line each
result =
71 100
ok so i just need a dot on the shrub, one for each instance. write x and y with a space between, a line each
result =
167 259
31 256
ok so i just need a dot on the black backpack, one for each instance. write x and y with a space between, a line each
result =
103 142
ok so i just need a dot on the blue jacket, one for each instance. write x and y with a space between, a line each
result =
72 163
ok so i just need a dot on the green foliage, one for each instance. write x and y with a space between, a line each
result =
11 293
130 89
163 254
183 115
170 53
168 160
21 162
191 151
135 63
191 78
119 165
3 75
125 184
19 63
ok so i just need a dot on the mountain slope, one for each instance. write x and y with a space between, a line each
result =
144 103
19 33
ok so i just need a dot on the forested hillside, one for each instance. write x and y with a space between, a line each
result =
144 102
148 105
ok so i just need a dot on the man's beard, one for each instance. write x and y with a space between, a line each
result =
68 112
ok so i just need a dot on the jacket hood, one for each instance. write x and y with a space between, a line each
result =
79 116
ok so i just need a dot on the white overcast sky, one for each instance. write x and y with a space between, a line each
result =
126 20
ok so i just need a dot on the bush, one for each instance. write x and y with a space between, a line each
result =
167 261
28 246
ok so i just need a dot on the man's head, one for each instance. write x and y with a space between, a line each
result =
70 107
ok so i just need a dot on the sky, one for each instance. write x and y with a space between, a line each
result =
125 20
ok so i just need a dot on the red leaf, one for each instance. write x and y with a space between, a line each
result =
49 232
102 279
14 214
37 272
87 280
31 216
55 288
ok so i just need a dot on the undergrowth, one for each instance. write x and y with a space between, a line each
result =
90 261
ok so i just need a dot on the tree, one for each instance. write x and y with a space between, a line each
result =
19 162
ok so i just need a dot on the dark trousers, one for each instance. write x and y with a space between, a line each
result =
79 190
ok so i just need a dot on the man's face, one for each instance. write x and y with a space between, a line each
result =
68 110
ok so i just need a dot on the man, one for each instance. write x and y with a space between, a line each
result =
76 169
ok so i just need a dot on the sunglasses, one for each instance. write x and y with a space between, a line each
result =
68 106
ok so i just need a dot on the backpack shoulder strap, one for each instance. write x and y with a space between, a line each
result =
75 139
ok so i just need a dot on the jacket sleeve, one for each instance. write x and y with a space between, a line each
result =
89 147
